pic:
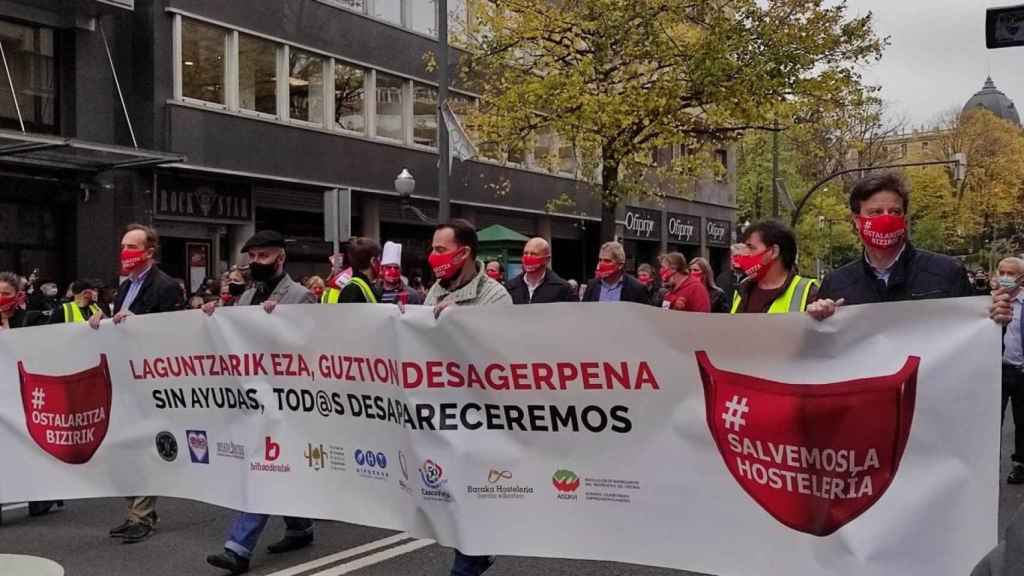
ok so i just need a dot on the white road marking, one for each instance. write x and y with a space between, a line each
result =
321 562
10 507
372 559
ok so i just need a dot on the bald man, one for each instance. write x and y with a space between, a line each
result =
538 284
1010 269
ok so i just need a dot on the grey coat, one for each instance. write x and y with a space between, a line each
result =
287 291
1008 558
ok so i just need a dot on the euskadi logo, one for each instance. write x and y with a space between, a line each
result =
566 482
198 447
432 475
67 415
815 457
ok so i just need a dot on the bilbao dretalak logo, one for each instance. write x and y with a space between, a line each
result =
814 456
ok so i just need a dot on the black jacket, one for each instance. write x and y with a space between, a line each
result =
632 291
552 289
917 275
159 293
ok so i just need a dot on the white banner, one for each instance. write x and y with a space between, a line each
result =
866 445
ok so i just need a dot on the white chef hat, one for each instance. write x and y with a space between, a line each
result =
392 254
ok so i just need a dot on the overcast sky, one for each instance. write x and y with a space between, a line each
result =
937 57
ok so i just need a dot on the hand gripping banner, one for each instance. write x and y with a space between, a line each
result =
813 456
67 415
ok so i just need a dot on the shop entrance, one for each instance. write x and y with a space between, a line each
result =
187 259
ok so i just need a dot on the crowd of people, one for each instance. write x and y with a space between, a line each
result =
763 278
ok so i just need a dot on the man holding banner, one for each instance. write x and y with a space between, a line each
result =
266 251
892 269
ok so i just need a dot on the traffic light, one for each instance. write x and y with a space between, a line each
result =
1004 27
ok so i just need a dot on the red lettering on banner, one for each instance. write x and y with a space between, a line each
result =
434 375
473 378
591 374
567 373
542 375
455 379
501 383
417 375
520 379
644 375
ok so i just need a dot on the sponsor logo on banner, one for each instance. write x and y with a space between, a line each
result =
500 487
432 475
316 456
815 457
231 450
271 452
67 415
370 464
566 483
198 447
167 446
616 490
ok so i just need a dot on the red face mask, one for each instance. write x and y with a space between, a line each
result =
697 275
606 269
645 279
9 304
883 232
666 273
392 274
226 298
494 274
132 260
753 265
533 263
318 291
447 265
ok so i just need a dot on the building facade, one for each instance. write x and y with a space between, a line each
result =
210 120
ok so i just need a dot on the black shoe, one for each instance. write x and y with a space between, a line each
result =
137 532
289 543
228 560
1016 475
44 507
118 531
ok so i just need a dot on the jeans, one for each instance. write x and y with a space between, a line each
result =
470 565
1013 394
248 527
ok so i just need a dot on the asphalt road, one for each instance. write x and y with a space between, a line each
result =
76 538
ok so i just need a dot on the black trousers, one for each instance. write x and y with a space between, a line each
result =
1013 393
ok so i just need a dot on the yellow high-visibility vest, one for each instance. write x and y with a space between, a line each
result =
794 299
330 296
72 313
367 291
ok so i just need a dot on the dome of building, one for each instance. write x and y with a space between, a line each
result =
993 100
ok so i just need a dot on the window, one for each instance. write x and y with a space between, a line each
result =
349 98
257 75
357 5
202 61
389 107
389 10
30 56
424 16
424 116
305 86
544 149
458 20
722 156
566 156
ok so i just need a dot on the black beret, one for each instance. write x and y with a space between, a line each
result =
264 239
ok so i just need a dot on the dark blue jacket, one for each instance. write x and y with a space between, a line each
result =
917 275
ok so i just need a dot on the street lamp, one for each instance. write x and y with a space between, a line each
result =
404 185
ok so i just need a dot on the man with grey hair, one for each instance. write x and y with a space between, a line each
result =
1008 274
612 284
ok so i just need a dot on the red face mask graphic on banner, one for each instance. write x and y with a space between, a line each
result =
813 456
606 270
68 415
447 265
753 265
883 232
9 304
533 263
132 260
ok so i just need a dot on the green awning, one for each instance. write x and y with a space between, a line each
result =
499 233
